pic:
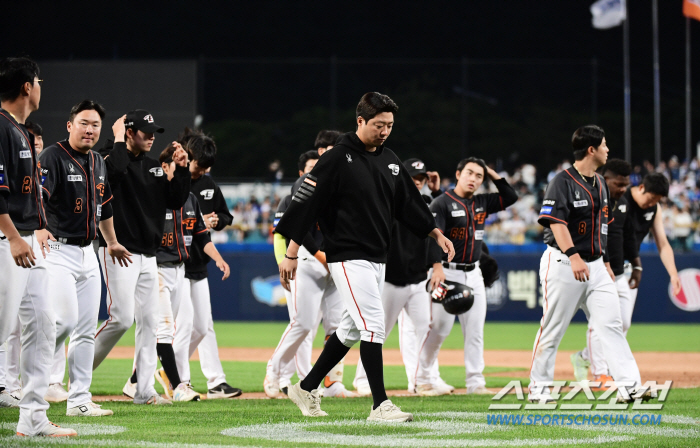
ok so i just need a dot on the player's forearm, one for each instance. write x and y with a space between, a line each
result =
666 254
292 249
107 230
214 254
7 227
562 236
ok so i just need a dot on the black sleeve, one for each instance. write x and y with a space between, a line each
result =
630 248
310 244
107 211
435 253
312 196
4 180
221 209
50 174
200 231
506 196
281 208
117 160
555 206
410 207
178 188
436 194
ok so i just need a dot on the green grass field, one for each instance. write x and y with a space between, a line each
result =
456 421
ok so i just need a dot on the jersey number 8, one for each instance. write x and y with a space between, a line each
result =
582 228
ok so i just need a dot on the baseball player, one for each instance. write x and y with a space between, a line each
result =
77 195
182 227
195 320
38 133
24 289
313 293
573 274
355 192
461 214
636 213
142 193
325 140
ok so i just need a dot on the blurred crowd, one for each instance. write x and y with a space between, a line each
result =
252 217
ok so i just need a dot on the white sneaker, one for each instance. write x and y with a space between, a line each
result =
337 389
89 409
363 389
481 390
53 430
429 390
308 402
389 412
129 389
162 378
17 394
271 386
580 366
56 393
440 382
7 400
158 400
184 392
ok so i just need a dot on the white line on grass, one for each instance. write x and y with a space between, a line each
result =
83 429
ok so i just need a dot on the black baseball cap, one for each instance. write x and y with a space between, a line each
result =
415 167
142 120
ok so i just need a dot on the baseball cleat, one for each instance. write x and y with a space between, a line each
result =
440 382
8 401
389 412
158 400
363 389
580 366
308 402
430 390
271 386
52 430
337 389
129 389
603 379
17 394
184 392
411 388
56 393
481 390
223 390
162 378
88 409
637 393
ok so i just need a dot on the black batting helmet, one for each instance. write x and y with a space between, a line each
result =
459 298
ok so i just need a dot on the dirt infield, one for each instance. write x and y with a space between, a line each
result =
682 368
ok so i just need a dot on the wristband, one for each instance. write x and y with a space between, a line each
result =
290 258
637 268
571 251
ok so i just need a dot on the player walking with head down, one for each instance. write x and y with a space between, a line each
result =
355 192
572 272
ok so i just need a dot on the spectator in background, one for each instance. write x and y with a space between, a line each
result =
682 226
38 133
276 172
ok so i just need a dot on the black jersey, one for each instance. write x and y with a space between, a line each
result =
76 191
210 200
581 205
621 239
310 240
141 194
462 220
20 194
642 219
183 227
355 195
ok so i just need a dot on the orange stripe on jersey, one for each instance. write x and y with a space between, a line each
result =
310 182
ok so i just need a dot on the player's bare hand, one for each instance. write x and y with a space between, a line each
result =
22 252
610 272
42 237
676 283
119 128
180 155
580 268
437 277
635 279
285 284
211 220
492 173
445 244
119 253
433 180
223 266
288 269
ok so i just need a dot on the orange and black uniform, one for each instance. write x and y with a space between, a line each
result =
182 227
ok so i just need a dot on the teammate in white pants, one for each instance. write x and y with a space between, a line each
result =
142 193
461 214
10 387
24 289
573 274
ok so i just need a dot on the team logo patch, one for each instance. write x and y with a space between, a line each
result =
26 154
2 167
604 229
583 203
70 168
2 178
75 178
458 213
148 118
418 165
648 216
190 213
349 157
158 172
54 245
479 210
548 202
394 169
168 216
623 208
188 240
479 235
102 178
207 194
577 194
99 210
546 210
454 206
688 299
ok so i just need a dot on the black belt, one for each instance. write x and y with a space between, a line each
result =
590 258
75 241
460 266
21 233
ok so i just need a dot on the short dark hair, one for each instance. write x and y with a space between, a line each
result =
87 105
167 155
374 103
326 138
34 128
200 146
616 166
305 157
656 183
585 137
462 163
14 73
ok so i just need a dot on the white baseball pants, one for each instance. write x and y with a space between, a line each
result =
9 360
472 323
74 279
563 296
132 294
313 292
408 345
416 303
25 293
195 331
173 289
